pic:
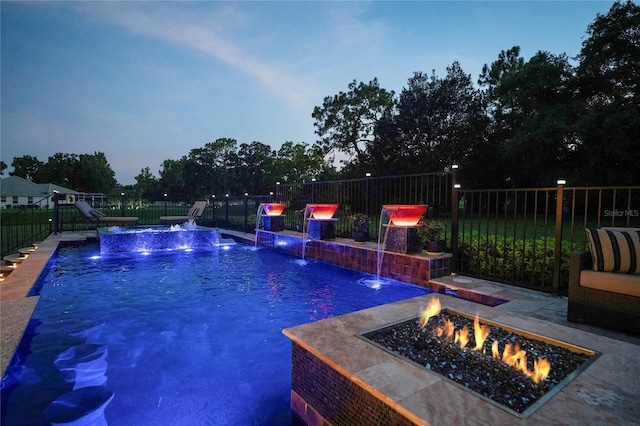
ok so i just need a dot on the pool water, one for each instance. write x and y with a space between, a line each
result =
193 338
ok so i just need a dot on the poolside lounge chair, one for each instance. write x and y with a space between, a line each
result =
96 216
194 214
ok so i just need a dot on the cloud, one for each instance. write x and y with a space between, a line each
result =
204 34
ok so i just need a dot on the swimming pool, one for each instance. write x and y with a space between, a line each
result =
193 338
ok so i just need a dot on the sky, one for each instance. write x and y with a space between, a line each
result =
147 81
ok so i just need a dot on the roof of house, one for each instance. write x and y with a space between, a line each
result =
17 186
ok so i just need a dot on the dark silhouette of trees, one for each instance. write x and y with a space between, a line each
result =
346 122
532 110
84 172
608 79
531 122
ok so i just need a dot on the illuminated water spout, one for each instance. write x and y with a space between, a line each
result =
271 216
397 229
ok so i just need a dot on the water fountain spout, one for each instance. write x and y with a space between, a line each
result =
382 240
258 216
308 211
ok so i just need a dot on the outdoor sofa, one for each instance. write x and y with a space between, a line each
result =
604 283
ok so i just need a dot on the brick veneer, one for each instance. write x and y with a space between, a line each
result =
411 268
322 396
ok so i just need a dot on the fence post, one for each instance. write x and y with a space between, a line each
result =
246 212
122 204
56 227
454 219
226 211
165 204
557 250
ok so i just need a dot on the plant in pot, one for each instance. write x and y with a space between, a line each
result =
432 232
360 227
299 220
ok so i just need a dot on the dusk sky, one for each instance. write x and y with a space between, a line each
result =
148 81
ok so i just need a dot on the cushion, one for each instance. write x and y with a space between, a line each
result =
614 250
627 284
96 213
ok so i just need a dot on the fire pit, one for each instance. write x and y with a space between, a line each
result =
513 369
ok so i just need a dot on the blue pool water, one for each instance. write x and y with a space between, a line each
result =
193 338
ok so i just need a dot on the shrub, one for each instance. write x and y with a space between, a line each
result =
524 262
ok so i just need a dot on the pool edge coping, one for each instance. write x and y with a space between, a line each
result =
16 306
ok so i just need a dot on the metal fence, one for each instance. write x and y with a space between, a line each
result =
524 236
516 236
367 196
21 227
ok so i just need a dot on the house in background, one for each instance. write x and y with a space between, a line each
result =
18 192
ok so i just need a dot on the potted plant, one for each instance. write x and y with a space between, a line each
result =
432 232
299 220
360 227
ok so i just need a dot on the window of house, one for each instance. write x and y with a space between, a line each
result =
15 200
3 199
29 200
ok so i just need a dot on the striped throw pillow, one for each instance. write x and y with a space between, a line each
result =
615 251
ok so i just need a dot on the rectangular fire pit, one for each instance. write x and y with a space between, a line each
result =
501 376
338 377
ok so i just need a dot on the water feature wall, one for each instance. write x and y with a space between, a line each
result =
410 268
116 240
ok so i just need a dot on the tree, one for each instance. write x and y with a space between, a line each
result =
93 173
26 167
3 167
608 83
171 173
346 122
255 161
299 162
147 185
532 107
440 120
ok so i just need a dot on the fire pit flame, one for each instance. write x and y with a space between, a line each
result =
512 355
480 332
432 310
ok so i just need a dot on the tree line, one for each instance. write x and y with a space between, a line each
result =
522 124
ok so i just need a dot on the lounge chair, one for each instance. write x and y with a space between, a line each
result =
194 214
96 216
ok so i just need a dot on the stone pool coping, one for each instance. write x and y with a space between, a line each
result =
16 307
605 393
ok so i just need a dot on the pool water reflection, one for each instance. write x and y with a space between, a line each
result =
192 337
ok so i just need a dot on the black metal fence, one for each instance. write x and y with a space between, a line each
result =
524 236
367 196
516 236
24 226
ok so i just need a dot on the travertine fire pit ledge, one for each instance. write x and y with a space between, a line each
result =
607 392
